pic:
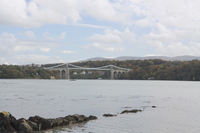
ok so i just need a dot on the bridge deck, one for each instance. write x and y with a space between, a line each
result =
103 68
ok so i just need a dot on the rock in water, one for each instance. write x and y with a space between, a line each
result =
109 115
131 111
91 117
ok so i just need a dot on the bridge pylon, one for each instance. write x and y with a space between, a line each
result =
112 77
64 72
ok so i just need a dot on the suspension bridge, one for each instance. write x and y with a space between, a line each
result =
64 70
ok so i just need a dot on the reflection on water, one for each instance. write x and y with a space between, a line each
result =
177 103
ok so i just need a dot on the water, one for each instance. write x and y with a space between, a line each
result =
177 103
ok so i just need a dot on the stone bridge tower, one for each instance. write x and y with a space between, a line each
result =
64 73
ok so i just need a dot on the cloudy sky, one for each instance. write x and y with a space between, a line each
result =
49 31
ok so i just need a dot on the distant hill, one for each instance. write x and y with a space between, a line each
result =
97 59
123 58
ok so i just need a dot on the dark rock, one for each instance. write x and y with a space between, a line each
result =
131 111
109 115
24 126
33 125
58 122
91 117
153 106
43 124
8 123
79 118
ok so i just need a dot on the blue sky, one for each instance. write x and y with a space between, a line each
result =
49 31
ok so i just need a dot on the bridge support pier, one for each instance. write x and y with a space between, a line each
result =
64 73
116 74
67 72
112 75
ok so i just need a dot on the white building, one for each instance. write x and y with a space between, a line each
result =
75 73
83 72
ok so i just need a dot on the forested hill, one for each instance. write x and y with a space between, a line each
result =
157 68
141 70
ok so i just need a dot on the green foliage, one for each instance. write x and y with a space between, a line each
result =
24 72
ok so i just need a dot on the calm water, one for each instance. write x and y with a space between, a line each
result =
177 103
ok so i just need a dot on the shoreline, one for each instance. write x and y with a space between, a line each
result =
9 124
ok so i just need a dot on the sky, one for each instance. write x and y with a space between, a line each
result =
60 31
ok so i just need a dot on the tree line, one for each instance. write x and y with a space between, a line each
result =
141 70
25 72
156 68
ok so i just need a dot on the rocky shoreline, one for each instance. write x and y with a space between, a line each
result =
37 124
9 124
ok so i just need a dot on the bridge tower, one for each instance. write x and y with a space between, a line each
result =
64 73
67 71
112 73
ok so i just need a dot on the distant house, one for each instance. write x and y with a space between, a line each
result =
83 72
75 73
151 78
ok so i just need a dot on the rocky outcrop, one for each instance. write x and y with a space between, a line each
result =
131 111
9 124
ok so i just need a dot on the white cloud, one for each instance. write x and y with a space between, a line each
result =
176 49
30 35
9 44
162 25
45 49
39 12
111 40
104 10
62 36
23 48
172 42
180 13
37 59
94 26
30 58
47 36
68 52
2 59
143 23
34 46
106 38
103 47
13 12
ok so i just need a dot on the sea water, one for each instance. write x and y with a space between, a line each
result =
177 104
